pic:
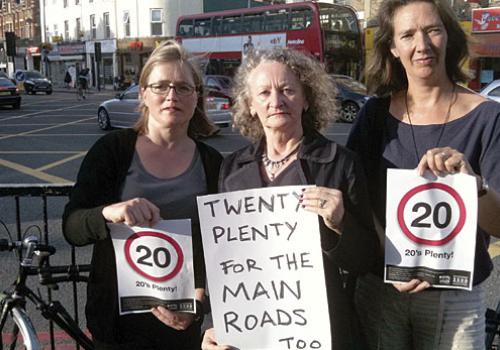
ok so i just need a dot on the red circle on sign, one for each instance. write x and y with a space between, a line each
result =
456 230
131 262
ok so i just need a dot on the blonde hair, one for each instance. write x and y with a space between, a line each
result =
170 51
318 86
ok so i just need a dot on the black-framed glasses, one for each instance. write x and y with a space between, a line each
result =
181 89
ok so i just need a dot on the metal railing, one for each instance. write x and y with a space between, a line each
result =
42 193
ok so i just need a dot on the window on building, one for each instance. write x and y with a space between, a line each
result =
78 29
56 31
126 23
107 28
156 22
65 3
66 30
93 28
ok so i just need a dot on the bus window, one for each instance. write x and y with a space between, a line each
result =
202 27
300 18
230 25
342 41
338 21
253 22
186 28
276 21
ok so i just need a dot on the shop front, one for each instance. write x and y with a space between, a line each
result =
485 46
132 55
64 58
106 66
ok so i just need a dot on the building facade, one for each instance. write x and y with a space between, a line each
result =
126 31
23 18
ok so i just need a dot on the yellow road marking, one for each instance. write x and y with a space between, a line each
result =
62 161
33 172
42 129
494 249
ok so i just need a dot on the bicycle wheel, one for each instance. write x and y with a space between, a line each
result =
26 328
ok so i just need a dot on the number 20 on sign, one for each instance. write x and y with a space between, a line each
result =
431 214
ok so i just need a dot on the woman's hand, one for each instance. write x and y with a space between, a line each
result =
209 342
443 161
176 320
414 286
327 203
134 212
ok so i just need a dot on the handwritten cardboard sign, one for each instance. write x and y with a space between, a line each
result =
431 228
154 266
265 269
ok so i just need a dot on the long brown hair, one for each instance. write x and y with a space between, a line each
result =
386 74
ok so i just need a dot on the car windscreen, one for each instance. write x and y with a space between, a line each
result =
33 75
6 83
225 82
352 85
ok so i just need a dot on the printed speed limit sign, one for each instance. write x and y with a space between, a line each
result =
154 266
431 228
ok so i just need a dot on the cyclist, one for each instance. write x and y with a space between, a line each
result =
82 82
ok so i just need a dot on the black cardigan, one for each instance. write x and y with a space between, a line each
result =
325 163
99 183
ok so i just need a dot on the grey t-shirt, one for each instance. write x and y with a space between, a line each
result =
176 197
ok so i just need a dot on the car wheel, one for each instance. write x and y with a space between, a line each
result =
49 92
16 105
103 119
349 111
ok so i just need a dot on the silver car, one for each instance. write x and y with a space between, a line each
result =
122 111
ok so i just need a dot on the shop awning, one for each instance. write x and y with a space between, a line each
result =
66 58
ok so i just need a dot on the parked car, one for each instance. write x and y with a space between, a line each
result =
33 81
122 111
492 90
6 76
9 94
352 95
220 83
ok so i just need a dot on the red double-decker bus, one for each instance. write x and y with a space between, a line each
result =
330 32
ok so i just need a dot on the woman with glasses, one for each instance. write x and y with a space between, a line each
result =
137 177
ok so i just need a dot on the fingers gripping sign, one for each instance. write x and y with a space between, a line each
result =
134 212
210 343
442 161
176 320
327 203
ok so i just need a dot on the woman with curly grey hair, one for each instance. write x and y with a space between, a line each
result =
283 98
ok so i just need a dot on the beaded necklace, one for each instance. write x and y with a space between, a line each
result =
273 166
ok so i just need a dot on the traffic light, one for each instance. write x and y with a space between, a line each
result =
10 41
97 51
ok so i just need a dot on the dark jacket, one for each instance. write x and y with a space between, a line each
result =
99 183
324 163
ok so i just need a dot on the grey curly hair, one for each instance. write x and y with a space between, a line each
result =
319 90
